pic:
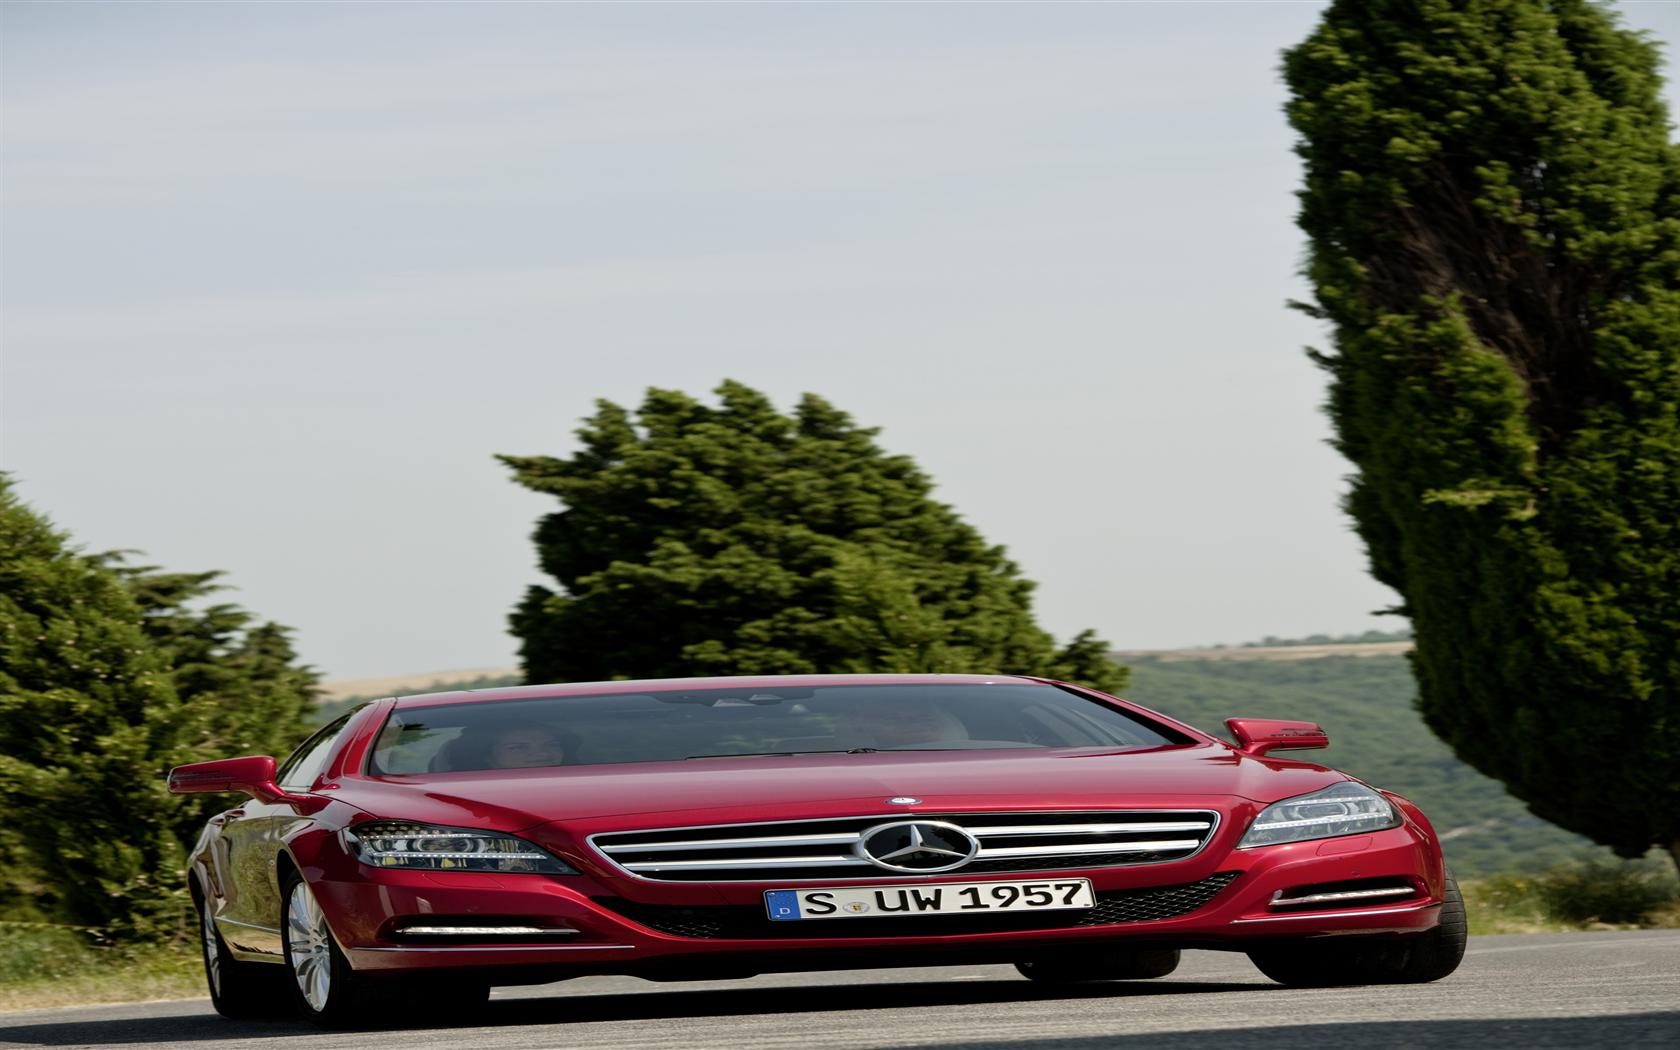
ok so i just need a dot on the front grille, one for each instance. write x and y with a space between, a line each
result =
749 922
807 850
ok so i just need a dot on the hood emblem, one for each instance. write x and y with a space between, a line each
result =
903 800
920 846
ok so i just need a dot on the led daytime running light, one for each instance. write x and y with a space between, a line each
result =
1354 809
397 844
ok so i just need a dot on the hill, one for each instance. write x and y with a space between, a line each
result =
1365 702
1360 691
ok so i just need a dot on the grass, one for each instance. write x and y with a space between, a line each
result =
57 966
1585 895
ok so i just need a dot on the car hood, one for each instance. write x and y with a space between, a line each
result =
593 798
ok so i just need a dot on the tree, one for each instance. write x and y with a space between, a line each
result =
109 675
739 540
90 722
238 679
1493 208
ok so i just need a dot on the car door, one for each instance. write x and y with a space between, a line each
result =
249 851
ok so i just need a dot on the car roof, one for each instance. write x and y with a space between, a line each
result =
645 685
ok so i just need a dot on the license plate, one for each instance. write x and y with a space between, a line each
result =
859 902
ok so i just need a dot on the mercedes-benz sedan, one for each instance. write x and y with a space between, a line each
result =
421 850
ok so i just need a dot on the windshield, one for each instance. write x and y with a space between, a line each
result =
682 725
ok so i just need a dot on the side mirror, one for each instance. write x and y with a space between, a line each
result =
252 776
1256 736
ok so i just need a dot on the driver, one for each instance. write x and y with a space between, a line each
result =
527 746
900 725
507 747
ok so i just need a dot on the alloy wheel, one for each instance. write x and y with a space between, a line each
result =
309 946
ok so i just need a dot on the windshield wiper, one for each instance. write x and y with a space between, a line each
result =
831 751
771 754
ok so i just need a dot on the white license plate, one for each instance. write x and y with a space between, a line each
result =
970 898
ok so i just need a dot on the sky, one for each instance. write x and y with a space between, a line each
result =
277 281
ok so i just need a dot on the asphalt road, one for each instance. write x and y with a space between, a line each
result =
1576 990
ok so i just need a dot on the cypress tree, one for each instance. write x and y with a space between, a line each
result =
1493 208
736 539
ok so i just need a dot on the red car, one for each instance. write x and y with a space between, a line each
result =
434 846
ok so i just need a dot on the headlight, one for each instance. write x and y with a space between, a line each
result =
1348 808
395 844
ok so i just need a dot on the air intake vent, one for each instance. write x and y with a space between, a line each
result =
807 850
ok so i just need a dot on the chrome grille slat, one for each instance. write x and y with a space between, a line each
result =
823 849
1085 829
761 843
749 862
1004 852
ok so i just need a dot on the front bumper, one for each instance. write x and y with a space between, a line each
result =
590 929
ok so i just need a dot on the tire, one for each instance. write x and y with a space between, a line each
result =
1413 959
1110 965
238 990
327 991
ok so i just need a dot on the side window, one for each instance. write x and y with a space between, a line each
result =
298 773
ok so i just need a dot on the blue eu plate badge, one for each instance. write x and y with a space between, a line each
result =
782 904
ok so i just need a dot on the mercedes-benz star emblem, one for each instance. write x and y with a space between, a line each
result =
917 845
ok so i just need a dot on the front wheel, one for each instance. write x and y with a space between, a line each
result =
1111 965
328 992
324 987
1414 959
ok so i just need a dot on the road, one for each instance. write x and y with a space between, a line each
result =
1576 990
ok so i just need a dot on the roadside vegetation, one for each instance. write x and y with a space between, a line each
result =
1582 895
111 673
56 966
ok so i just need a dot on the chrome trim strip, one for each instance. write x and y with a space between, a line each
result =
1086 829
1308 916
247 925
1010 852
748 862
1343 895
501 948
1213 818
483 931
783 840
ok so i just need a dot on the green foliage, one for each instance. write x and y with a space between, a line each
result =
31 952
91 722
1366 705
1582 893
237 679
1596 891
54 966
108 677
739 540
1493 207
